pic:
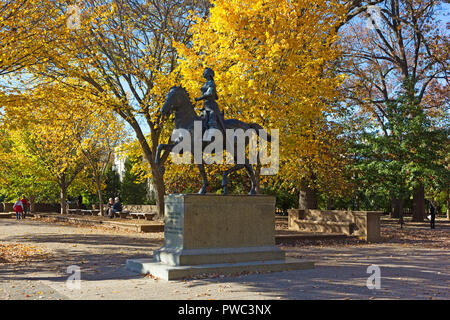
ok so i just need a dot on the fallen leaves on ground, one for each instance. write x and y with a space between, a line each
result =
417 233
412 233
150 276
16 252
100 228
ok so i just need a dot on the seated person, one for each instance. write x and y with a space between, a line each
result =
117 207
109 206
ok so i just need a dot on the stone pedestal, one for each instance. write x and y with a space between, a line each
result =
217 234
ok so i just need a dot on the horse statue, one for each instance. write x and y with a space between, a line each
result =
179 103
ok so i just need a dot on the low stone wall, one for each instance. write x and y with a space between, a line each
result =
324 226
329 215
56 207
38 207
47 207
6 207
359 223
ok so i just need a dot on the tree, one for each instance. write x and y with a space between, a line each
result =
133 189
406 160
22 26
46 134
121 57
112 181
97 136
20 175
56 150
401 60
273 65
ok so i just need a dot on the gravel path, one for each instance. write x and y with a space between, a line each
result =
409 270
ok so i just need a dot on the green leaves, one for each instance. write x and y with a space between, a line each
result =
412 154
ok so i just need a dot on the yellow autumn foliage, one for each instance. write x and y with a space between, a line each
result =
273 63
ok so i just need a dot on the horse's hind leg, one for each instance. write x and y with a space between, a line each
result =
201 168
225 176
251 174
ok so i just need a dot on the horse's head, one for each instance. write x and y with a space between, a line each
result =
173 101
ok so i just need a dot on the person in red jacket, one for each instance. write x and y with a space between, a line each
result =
18 208
25 206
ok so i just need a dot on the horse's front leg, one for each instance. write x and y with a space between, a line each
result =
160 148
201 168
225 177
251 174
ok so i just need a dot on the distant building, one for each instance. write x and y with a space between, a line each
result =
119 167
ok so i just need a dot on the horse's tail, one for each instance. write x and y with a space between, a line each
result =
260 129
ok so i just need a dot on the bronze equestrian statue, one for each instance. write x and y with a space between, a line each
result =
178 102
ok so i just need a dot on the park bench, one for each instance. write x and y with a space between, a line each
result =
90 212
74 211
145 215
85 212
122 214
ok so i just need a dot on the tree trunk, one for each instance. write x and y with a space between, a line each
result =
31 203
63 194
100 195
447 204
64 182
160 191
157 171
307 198
356 200
396 208
418 204
329 203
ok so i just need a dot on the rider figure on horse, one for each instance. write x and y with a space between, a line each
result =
214 118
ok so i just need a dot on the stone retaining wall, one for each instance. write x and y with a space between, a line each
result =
38 207
47 207
56 207
6 207
359 223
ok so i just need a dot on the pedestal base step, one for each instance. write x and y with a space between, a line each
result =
167 272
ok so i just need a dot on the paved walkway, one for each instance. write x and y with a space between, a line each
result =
408 271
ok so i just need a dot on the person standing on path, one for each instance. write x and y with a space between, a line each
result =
25 206
432 214
18 208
